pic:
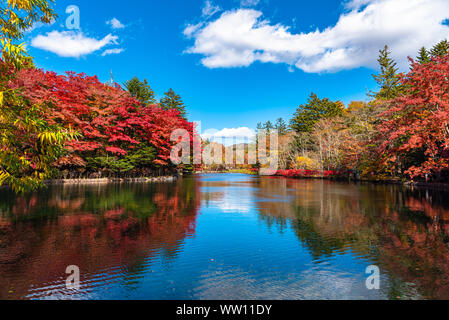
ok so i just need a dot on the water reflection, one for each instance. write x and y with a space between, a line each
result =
404 231
225 237
111 232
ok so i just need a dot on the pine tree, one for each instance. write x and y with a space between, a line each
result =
388 79
309 114
268 126
281 126
171 101
423 56
141 91
260 130
440 49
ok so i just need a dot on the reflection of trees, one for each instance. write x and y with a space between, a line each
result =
95 227
405 230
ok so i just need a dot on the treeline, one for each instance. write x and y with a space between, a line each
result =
72 125
142 91
402 133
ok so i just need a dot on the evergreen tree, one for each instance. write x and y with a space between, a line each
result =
171 100
308 115
388 79
281 126
141 91
440 49
260 129
423 56
268 126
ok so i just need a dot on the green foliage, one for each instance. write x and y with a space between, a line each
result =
388 79
141 91
28 144
423 56
440 49
113 164
140 158
173 101
281 126
309 114
268 126
18 16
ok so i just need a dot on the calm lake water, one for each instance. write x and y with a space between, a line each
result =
225 236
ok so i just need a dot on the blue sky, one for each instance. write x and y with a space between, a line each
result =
239 62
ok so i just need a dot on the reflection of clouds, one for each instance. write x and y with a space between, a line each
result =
314 284
231 200
232 204
233 195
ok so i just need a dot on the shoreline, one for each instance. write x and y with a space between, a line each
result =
110 180
409 184
169 179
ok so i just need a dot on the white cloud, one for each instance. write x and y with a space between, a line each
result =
71 44
38 25
356 4
112 51
115 23
249 3
209 9
229 136
190 29
241 37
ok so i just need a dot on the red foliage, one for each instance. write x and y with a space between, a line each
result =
419 120
306 173
108 118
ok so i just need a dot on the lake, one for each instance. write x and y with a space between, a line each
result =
225 236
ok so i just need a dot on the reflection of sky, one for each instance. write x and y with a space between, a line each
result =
235 196
231 200
237 284
234 254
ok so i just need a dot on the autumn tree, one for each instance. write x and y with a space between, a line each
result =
29 144
18 16
119 137
328 136
141 91
173 101
418 123
388 79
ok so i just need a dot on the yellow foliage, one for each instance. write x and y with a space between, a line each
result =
3 177
16 18
306 163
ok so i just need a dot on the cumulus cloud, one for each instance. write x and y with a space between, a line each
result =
241 37
71 44
115 24
209 9
112 51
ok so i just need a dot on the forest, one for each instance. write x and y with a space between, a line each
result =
72 125
400 134
67 126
